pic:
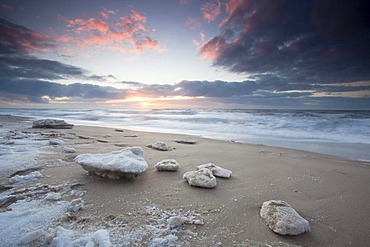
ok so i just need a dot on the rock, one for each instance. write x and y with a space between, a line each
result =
56 142
167 165
69 149
51 124
283 219
128 162
159 146
119 130
216 170
185 141
201 178
7 200
176 221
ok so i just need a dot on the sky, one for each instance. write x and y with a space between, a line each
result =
286 54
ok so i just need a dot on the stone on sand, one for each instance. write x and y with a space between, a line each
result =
282 218
201 178
51 124
216 170
128 162
167 165
159 146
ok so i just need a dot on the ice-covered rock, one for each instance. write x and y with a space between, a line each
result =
282 218
176 221
159 146
25 178
128 162
69 149
167 165
52 124
56 142
201 178
216 170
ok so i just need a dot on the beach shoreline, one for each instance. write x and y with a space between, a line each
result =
330 192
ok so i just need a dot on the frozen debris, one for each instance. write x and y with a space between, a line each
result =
76 205
169 240
52 124
201 178
128 162
25 178
216 170
100 238
167 165
53 196
161 146
176 221
32 237
282 218
56 142
185 141
69 149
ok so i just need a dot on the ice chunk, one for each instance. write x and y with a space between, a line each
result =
159 146
51 123
69 149
117 164
167 165
25 178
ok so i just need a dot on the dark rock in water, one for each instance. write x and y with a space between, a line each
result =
51 124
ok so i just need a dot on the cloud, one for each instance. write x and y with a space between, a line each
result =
185 2
193 23
296 41
15 38
127 34
211 10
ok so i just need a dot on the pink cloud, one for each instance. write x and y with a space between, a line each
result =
193 23
127 34
106 13
213 48
211 10
6 6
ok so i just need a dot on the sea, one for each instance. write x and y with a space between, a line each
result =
343 134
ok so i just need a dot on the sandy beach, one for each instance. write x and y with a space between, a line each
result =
331 193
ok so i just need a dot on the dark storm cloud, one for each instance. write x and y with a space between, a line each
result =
34 90
302 41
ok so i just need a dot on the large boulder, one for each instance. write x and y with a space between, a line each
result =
128 162
201 178
283 219
216 170
170 165
51 124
